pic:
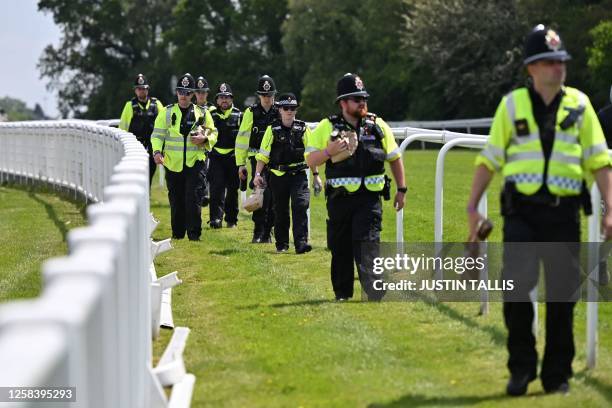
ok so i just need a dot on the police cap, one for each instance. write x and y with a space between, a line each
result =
266 86
224 90
544 43
201 84
287 99
141 81
186 82
350 85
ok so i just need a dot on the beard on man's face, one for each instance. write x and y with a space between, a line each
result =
358 112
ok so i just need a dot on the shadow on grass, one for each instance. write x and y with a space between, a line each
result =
416 400
226 252
52 215
292 304
496 335
604 389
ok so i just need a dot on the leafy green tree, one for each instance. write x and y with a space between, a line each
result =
600 59
467 54
324 40
15 110
230 41
105 43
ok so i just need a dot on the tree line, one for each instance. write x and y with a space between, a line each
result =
419 59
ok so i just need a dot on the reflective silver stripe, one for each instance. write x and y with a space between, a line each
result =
264 152
564 182
510 107
343 181
179 139
241 146
374 180
311 149
394 153
566 137
486 153
582 99
168 116
180 148
520 140
253 150
495 151
174 148
525 156
160 130
564 158
593 150
156 137
243 133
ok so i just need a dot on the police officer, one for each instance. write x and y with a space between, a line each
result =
223 172
201 93
543 139
179 143
354 185
254 123
282 149
138 117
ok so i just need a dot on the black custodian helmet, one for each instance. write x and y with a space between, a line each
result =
266 86
186 82
224 90
201 84
350 85
544 43
287 99
141 82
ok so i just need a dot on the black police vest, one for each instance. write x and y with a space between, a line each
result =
261 120
143 121
368 159
227 127
287 143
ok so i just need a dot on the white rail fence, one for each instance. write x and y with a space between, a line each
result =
93 324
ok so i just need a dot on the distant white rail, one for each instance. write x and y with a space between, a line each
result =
91 327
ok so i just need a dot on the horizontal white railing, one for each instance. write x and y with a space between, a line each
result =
92 326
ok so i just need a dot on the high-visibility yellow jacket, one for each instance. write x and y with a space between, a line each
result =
146 110
178 150
376 145
514 146
255 120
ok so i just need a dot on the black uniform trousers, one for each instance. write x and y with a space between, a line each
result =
264 217
224 183
152 165
542 223
292 187
184 194
353 220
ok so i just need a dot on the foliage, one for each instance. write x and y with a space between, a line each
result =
14 110
600 55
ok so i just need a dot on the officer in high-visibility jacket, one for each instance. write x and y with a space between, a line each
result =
282 150
179 142
223 172
355 184
254 123
201 93
138 117
543 140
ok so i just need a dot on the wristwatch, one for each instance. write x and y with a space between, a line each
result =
315 173
402 190
258 174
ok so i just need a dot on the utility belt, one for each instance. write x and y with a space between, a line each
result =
512 201
290 169
341 191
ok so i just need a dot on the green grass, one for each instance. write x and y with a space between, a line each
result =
33 228
265 333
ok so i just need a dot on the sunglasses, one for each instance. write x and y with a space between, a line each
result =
289 108
184 92
357 99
